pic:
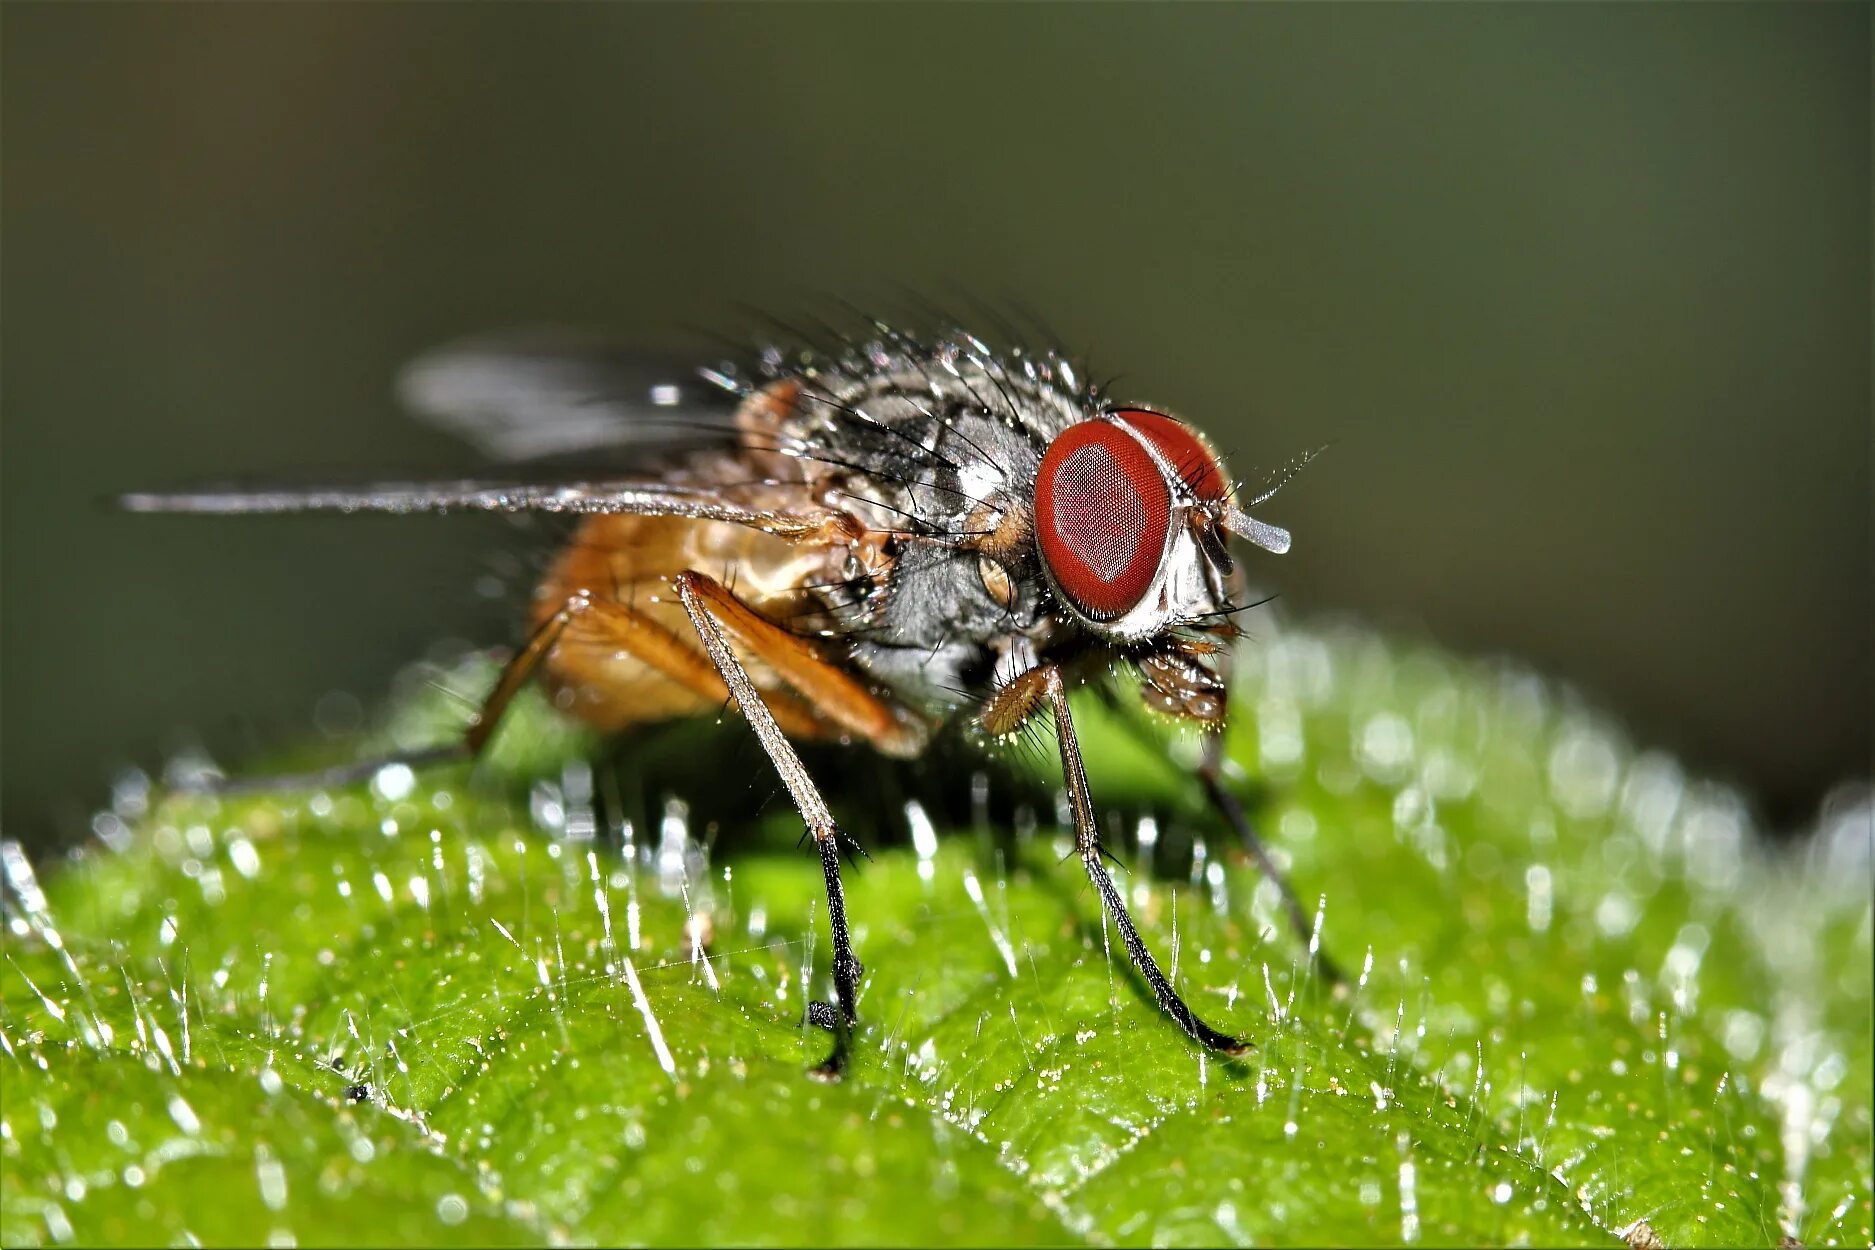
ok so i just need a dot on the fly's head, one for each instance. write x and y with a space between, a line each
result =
1133 515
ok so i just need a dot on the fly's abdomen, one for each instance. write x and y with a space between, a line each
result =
630 562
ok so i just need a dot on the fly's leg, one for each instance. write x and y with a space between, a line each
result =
1230 807
581 618
1013 705
699 595
833 692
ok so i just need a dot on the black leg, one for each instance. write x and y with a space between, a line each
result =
847 969
1087 842
1228 805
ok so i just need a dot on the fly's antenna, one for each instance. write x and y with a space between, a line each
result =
1272 538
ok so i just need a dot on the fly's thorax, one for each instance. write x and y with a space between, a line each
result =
930 462
1007 512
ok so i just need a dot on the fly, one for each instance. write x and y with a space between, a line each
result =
914 530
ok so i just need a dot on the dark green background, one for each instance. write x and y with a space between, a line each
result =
1580 293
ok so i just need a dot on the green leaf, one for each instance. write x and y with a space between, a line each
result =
1591 1004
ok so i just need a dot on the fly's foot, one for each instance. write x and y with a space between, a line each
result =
824 1015
1200 1032
832 1070
838 1020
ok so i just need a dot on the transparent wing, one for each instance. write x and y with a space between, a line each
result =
524 395
576 421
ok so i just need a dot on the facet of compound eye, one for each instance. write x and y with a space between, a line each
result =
1102 510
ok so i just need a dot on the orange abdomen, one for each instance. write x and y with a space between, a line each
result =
631 560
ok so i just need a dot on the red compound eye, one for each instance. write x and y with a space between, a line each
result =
1102 511
1183 448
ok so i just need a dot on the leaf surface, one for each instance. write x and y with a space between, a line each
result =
429 1010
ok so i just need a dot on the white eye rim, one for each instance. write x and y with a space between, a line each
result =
1177 589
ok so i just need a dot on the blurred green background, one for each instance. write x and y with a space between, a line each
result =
1579 293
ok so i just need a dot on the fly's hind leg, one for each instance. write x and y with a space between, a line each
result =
715 612
1013 705
591 619
1228 805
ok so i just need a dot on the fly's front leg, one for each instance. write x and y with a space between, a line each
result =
1228 805
695 590
1013 705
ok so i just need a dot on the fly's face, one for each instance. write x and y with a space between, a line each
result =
1133 513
